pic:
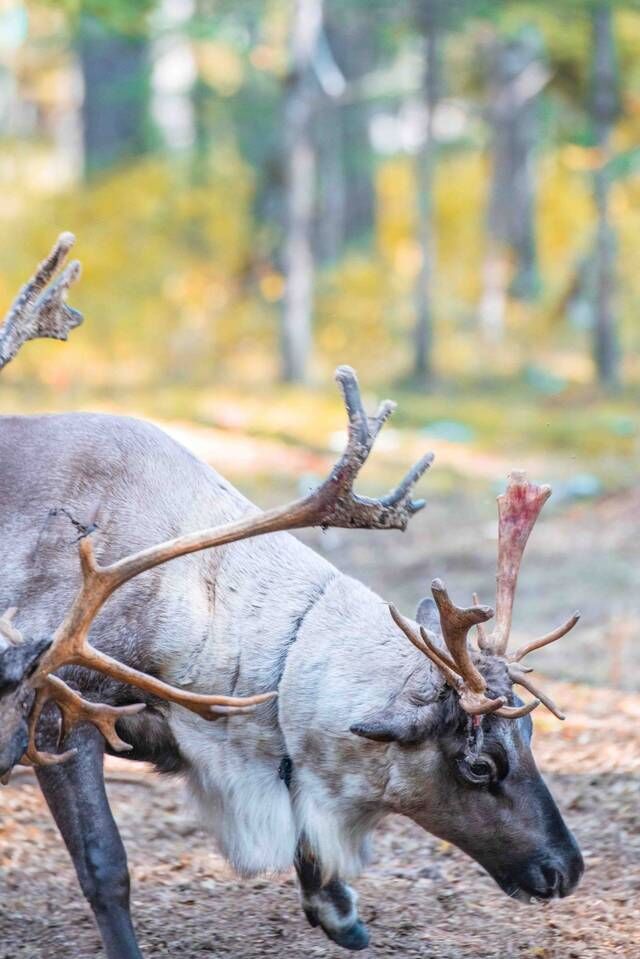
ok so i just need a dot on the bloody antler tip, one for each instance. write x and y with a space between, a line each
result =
518 478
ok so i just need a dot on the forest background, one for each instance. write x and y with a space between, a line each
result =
443 193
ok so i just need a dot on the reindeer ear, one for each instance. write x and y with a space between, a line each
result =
400 723
18 662
428 616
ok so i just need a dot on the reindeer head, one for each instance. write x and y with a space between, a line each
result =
462 766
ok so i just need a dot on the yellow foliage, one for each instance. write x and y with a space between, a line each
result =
163 265
220 66
354 325
171 289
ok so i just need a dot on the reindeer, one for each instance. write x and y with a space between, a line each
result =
364 723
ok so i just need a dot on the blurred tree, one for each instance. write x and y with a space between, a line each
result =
429 16
115 73
329 135
351 38
605 109
300 99
517 76
201 96
261 181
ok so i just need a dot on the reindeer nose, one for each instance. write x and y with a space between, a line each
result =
555 881
561 879
573 873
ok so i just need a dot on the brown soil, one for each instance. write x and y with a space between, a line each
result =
420 897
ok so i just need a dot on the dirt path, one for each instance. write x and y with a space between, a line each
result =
421 897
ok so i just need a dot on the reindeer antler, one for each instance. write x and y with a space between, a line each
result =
38 312
344 507
334 503
458 668
75 709
518 510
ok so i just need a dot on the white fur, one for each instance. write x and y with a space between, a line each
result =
241 799
323 908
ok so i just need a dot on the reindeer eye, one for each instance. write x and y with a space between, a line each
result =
482 771
482 768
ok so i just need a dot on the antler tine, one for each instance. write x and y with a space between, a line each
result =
547 639
473 702
45 270
481 632
33 756
7 629
55 318
518 510
517 676
422 642
456 623
74 709
35 313
347 509
515 712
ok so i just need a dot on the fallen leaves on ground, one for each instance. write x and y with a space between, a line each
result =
420 897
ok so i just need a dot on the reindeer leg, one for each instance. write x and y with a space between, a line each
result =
77 799
332 905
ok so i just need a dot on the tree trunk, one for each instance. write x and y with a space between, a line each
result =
331 226
518 78
351 38
116 95
300 98
604 109
429 19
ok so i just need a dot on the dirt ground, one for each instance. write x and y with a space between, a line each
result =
420 897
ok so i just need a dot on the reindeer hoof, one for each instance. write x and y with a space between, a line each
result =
334 909
355 937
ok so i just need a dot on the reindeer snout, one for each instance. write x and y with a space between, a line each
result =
553 878
573 872
558 883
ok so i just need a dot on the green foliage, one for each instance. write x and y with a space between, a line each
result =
125 16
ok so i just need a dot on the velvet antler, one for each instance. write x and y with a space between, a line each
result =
518 510
38 311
